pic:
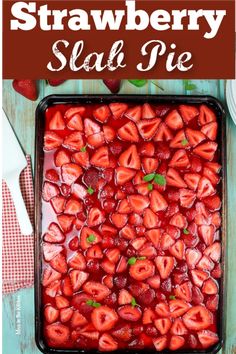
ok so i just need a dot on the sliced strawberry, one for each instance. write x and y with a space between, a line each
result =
178 308
52 175
118 109
160 343
54 234
205 188
214 251
163 325
194 137
179 220
213 177
210 130
166 241
109 133
104 318
95 217
61 302
174 179
57 122
50 190
207 233
138 243
122 265
199 276
128 132
95 252
134 113
74 141
108 266
49 276
57 333
74 110
210 287
184 291
106 343
138 203
66 222
101 157
174 120
97 290
88 238
192 257
214 166
157 201
192 180
73 207
163 133
53 288
177 250
148 128
179 141
51 250
179 159
75 123
206 115
58 204
124 174
206 150
130 158
129 313
78 320
148 251
162 309
113 255
187 198
96 140
176 342
90 127
149 164
51 314
198 318
67 287
52 140
77 261
154 236
62 157
59 263
147 111
124 207
70 173
213 203
102 113
148 316
150 219
207 338
147 149
119 220
178 328
188 112
142 269
123 333
78 278
213 303
143 189
124 297
165 265
205 263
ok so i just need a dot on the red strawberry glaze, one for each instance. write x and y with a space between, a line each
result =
130 255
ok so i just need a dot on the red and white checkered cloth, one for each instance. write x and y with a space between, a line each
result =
17 249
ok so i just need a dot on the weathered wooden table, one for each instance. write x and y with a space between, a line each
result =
21 113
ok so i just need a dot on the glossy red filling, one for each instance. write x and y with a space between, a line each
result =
131 227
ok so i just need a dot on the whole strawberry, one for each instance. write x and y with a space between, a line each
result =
113 85
26 88
55 82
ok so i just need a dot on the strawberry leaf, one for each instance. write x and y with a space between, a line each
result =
149 177
132 260
159 179
138 83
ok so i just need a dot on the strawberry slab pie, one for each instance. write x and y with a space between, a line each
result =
131 226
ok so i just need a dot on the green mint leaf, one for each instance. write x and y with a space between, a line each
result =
141 258
185 231
172 297
91 238
89 302
150 187
159 179
133 302
132 260
96 304
83 149
149 177
189 86
90 190
184 142
138 83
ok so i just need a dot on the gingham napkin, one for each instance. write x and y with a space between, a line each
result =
17 249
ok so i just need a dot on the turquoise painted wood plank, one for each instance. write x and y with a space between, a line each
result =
21 114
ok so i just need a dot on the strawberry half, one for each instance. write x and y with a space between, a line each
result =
128 132
52 140
134 113
104 318
188 112
148 128
207 338
106 343
174 120
97 291
102 113
118 109
130 158
129 313
206 150
174 179
74 141
124 174
206 115
179 159
101 157
138 203
142 269
57 122
198 318
210 130
54 234
57 334
165 265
